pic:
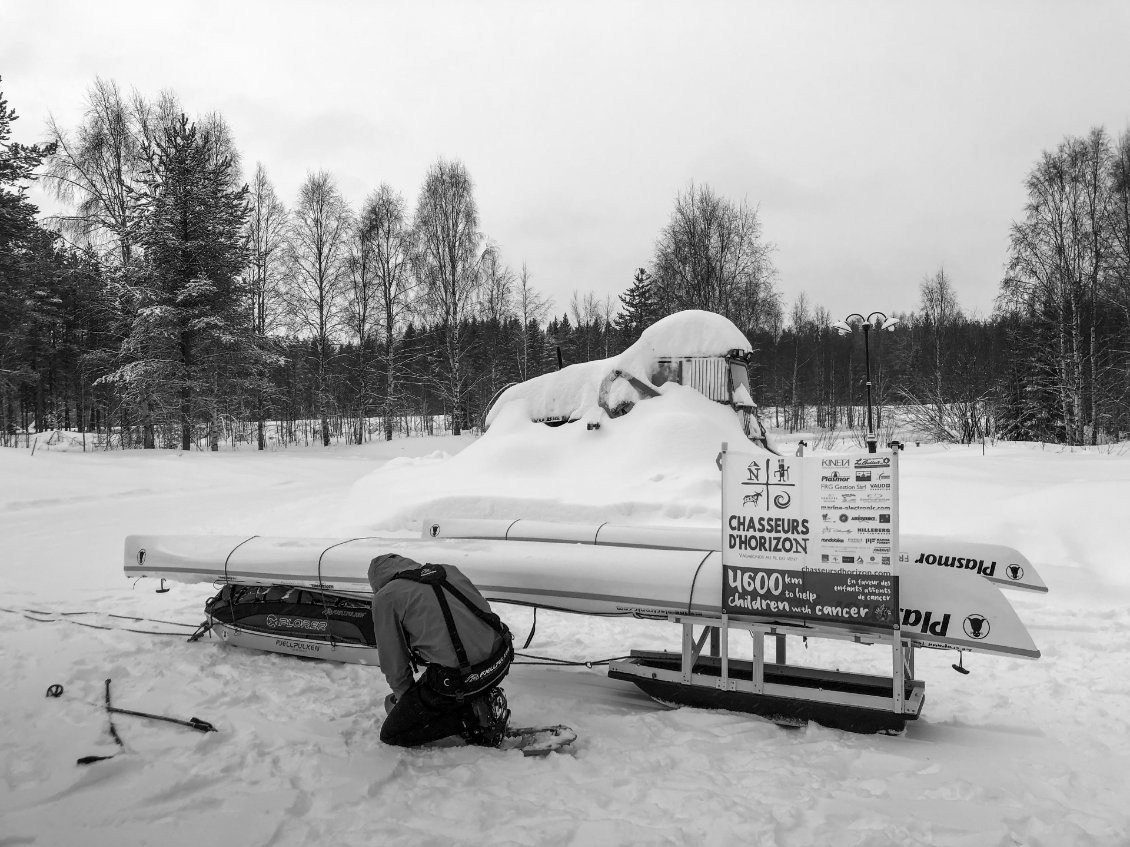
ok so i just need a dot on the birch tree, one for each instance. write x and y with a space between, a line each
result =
267 226
449 272
359 314
497 289
800 319
97 168
586 312
390 237
1057 256
711 255
531 307
317 274
941 311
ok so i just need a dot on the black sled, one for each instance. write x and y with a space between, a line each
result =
295 621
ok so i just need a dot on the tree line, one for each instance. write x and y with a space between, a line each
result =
175 304
173 296
1051 363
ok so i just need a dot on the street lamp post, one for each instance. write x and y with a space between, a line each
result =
844 328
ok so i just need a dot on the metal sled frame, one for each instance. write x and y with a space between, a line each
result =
788 694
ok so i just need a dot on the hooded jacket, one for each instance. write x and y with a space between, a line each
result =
407 619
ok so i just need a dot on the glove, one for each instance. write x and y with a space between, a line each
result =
390 702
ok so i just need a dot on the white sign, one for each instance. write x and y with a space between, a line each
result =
812 537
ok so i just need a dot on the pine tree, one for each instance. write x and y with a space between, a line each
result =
189 344
26 255
640 308
17 165
560 338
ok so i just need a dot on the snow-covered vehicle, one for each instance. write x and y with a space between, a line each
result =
700 350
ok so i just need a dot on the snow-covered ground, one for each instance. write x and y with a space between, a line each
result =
1018 752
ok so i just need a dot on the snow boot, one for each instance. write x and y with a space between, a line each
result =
488 720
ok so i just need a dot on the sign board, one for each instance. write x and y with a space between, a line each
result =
813 538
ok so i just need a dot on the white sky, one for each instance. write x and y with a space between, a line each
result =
880 140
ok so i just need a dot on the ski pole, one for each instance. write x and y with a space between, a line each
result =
111 710
191 723
86 760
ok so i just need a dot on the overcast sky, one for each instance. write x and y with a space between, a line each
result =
880 141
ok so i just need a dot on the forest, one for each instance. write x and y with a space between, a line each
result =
179 302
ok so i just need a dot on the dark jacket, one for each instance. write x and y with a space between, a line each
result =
407 618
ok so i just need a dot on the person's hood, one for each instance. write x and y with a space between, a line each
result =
383 568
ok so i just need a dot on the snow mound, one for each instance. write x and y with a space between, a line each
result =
573 391
689 333
656 463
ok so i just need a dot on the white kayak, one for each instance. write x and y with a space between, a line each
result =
952 608
1005 566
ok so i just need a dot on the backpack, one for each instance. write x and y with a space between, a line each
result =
467 680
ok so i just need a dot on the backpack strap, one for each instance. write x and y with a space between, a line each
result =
436 577
489 618
456 641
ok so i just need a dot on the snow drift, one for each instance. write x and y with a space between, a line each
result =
655 463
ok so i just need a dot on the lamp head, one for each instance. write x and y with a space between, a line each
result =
842 327
889 324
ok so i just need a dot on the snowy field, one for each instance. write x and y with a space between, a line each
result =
1017 753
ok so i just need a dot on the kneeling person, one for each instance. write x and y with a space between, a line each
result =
433 616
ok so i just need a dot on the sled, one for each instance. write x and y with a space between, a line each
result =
294 621
789 695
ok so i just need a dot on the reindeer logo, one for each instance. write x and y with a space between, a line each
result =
1015 572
